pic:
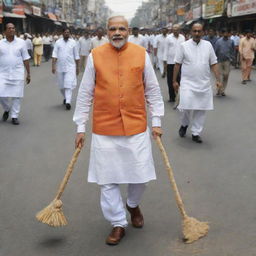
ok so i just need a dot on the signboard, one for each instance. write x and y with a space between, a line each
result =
1 8
213 8
196 7
13 8
36 11
243 7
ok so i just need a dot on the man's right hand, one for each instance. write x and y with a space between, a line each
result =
176 86
80 138
53 70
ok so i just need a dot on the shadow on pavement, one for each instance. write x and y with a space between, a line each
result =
52 242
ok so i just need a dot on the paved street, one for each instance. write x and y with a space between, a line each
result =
217 181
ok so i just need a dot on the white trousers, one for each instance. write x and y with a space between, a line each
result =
112 204
67 94
161 65
196 118
13 106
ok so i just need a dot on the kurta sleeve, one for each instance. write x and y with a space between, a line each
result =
213 58
85 96
24 52
153 94
55 51
166 46
179 56
76 52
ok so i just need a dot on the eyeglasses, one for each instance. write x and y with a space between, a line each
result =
199 31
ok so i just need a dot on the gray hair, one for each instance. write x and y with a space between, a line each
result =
116 16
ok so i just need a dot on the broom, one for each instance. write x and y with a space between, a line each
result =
53 214
191 227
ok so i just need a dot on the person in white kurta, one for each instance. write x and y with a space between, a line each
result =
118 160
85 45
65 54
159 47
138 39
197 58
99 39
13 57
172 44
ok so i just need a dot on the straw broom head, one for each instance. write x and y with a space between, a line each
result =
52 214
193 229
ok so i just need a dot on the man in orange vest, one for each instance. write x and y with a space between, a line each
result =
119 79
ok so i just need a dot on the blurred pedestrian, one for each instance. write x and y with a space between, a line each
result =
65 62
47 48
38 49
29 45
197 58
246 49
225 51
99 39
13 57
85 45
172 44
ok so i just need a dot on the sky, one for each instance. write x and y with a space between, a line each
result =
126 8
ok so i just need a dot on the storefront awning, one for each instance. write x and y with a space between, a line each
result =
189 22
52 16
14 15
57 23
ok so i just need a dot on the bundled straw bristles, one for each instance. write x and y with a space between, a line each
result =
193 229
52 214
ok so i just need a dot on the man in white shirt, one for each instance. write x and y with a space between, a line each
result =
47 42
119 79
197 58
236 39
136 38
159 49
13 57
29 45
99 39
172 44
85 45
65 55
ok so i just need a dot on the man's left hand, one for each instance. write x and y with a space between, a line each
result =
77 71
157 131
28 79
219 84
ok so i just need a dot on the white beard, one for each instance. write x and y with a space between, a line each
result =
118 45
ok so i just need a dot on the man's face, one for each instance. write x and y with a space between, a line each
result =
164 31
197 32
211 33
66 34
10 30
226 34
176 31
135 32
248 35
118 32
100 33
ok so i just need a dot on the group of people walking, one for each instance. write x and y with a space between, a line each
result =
119 80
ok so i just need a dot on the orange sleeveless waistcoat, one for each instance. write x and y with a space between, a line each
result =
119 99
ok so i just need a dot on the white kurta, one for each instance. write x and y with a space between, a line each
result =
139 40
12 71
66 52
159 44
96 42
195 85
172 44
120 159
85 45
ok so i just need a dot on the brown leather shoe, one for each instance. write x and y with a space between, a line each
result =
115 236
136 216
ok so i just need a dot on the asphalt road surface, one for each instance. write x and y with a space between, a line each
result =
217 180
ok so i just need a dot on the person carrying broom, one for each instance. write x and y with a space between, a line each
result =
119 79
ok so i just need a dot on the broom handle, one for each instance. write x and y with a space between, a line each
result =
68 173
171 177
